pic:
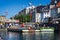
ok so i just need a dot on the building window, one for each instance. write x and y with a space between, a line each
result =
46 15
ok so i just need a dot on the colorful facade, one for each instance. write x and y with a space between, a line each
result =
41 13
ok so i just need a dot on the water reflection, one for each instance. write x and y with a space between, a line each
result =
57 36
29 36
47 35
38 36
3 34
13 36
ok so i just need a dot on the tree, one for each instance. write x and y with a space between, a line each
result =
27 18
23 18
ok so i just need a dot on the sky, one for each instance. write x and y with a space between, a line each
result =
12 7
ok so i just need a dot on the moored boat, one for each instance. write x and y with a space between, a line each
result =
49 29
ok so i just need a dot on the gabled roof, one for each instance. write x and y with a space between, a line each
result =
58 4
39 8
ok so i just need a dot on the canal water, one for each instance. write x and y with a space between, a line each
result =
29 36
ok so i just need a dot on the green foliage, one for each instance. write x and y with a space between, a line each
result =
23 18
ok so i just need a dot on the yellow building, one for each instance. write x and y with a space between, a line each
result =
2 20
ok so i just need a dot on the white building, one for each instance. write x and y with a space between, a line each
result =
38 17
29 8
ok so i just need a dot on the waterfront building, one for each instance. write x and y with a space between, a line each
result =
55 10
44 13
49 11
5 22
2 18
37 17
41 13
28 10
58 5
2 21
